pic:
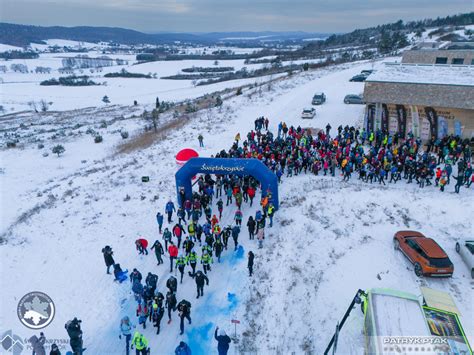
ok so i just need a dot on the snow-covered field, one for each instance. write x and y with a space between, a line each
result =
18 90
330 238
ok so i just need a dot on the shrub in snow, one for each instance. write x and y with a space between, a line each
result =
90 131
45 154
103 124
124 134
11 144
239 91
190 108
40 146
105 99
219 101
58 149
44 105
98 139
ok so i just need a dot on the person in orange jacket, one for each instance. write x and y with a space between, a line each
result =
214 220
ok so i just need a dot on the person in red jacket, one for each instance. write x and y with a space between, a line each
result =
178 232
251 193
141 245
173 252
214 220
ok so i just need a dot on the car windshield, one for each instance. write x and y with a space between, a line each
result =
440 262
307 111
317 97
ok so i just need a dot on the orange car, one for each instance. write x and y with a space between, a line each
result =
427 256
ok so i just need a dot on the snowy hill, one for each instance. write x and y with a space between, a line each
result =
329 237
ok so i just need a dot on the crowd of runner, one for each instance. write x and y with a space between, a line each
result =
195 236
373 157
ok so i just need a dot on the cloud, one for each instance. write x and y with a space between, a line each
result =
227 15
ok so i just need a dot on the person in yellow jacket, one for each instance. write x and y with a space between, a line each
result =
140 343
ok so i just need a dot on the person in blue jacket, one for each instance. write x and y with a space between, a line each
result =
169 209
223 341
159 219
126 330
183 349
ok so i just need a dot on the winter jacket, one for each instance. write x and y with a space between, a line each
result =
178 230
151 280
108 258
251 224
184 307
159 218
172 283
235 232
139 341
170 300
170 207
192 258
182 349
167 235
173 250
158 248
135 276
200 279
142 242
223 342
126 326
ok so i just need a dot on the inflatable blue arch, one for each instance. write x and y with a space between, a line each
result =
227 166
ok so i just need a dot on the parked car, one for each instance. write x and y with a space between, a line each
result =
359 77
465 248
367 71
424 253
308 113
353 99
319 98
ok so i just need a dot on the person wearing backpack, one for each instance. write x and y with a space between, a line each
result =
140 343
184 309
126 330
142 313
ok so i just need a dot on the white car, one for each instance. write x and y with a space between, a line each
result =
465 248
308 113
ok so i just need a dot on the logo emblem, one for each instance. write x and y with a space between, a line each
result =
11 343
36 310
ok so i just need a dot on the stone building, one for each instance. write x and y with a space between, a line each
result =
461 53
426 100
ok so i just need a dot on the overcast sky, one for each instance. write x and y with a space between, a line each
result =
226 15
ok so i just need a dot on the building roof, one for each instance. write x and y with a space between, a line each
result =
459 75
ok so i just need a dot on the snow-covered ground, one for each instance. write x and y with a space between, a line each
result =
329 239
18 90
